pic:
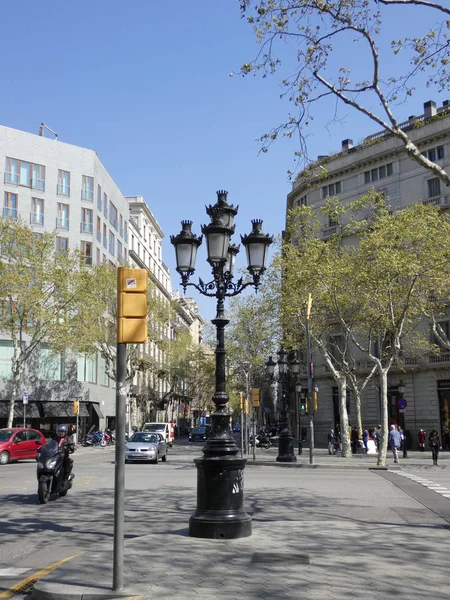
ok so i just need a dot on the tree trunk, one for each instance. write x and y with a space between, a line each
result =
384 417
358 413
14 396
345 437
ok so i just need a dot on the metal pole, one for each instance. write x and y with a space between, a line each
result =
76 425
310 383
119 473
254 434
24 414
242 426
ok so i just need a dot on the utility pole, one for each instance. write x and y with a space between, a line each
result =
309 369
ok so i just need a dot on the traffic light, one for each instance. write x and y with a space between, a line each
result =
314 400
76 407
303 406
255 397
241 406
132 307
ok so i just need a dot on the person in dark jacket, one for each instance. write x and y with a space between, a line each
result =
331 442
365 439
354 439
434 443
394 442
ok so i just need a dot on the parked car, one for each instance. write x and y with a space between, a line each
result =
18 443
198 434
145 446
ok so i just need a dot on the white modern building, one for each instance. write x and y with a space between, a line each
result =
55 186
380 161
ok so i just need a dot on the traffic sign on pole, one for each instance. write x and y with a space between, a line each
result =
25 397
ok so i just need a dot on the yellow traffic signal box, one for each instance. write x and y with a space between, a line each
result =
76 407
255 397
314 400
132 306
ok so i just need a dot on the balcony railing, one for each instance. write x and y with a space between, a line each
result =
12 178
9 213
330 231
62 223
439 358
37 218
87 195
38 184
440 200
63 190
86 227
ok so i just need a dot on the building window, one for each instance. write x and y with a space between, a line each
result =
434 154
51 364
119 250
87 189
112 242
37 211
105 236
6 354
37 237
87 220
330 190
105 205
86 252
63 187
125 232
121 226
87 368
378 173
113 216
99 198
434 187
104 379
303 201
62 244
20 172
62 219
10 205
98 256
99 230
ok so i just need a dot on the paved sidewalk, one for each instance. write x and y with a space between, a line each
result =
317 534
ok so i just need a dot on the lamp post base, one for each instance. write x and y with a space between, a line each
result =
286 448
220 510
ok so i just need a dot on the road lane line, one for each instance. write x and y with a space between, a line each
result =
22 586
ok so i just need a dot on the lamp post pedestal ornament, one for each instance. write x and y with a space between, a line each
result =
220 511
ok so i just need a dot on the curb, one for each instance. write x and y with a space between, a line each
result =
62 591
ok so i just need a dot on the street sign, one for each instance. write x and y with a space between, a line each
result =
402 403
25 397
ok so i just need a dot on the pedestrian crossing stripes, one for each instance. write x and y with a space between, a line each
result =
434 487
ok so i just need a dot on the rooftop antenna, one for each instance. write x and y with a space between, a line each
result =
44 126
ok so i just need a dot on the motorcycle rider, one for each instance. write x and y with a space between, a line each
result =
66 445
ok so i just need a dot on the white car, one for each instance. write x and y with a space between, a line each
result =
144 446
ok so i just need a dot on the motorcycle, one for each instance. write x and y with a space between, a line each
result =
95 439
50 472
261 441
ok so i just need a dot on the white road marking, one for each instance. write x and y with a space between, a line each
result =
13 571
434 487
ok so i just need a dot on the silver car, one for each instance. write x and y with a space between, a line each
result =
143 445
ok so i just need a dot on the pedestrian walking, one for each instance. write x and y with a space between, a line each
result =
394 442
422 435
365 439
330 442
377 436
435 444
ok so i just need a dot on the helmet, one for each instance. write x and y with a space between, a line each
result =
61 430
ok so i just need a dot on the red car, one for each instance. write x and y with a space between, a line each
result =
17 443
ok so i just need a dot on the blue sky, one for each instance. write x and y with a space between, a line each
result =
147 85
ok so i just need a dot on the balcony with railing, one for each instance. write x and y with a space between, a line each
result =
441 200
63 190
38 184
9 213
62 223
86 227
37 218
12 178
87 195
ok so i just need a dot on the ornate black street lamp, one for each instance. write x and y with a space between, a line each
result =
220 494
286 369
